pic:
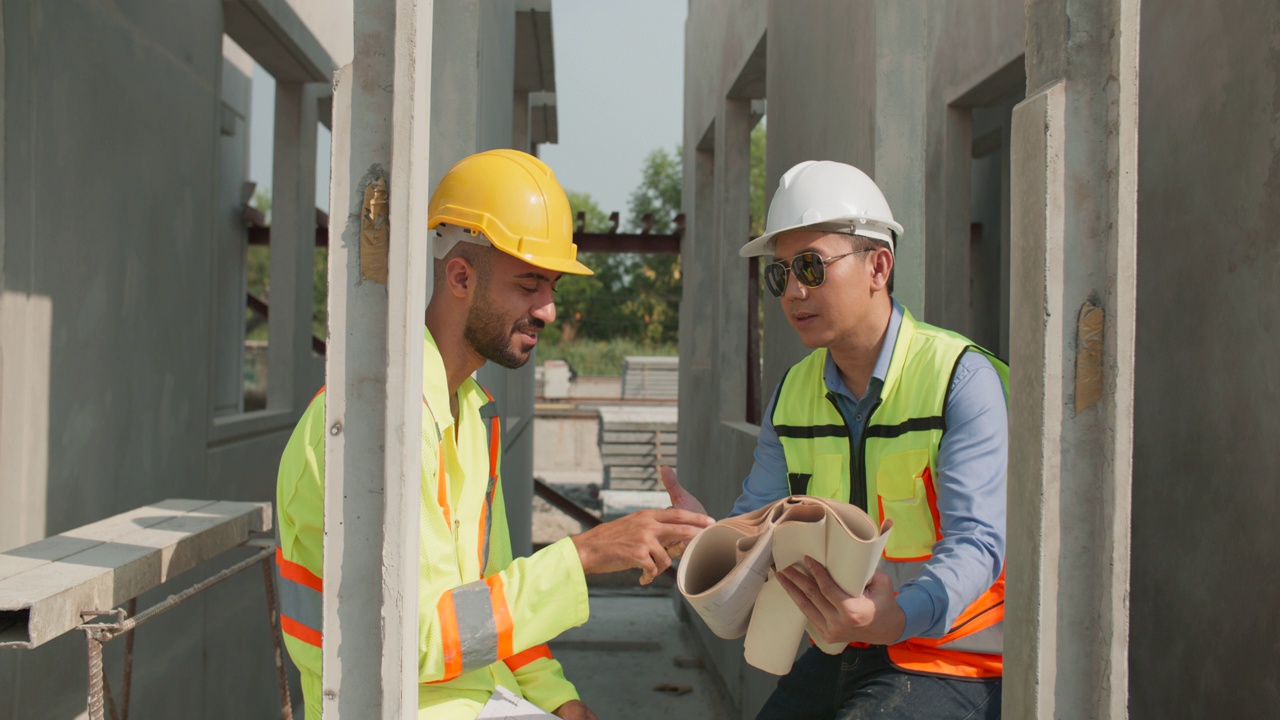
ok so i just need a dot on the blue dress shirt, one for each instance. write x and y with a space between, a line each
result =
972 461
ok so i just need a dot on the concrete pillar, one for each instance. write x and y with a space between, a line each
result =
901 140
293 225
381 128
1074 201
733 225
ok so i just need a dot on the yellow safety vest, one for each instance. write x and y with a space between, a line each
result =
483 618
893 474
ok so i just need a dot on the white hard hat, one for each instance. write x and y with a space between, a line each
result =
825 195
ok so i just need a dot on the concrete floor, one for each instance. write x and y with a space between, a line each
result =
630 646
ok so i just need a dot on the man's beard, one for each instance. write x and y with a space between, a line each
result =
489 334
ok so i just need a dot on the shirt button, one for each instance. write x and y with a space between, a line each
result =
858 418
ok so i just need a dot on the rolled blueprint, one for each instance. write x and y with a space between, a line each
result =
727 571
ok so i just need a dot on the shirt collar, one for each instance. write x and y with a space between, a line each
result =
831 374
435 386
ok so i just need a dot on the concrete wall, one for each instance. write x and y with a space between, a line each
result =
120 186
1206 550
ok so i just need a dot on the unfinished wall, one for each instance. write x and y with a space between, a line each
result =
114 197
1206 549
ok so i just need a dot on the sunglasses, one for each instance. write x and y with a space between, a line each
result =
809 268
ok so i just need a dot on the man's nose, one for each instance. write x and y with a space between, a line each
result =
545 309
793 287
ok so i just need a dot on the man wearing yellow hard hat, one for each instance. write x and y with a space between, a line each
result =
503 235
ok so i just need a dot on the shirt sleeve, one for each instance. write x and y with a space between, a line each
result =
767 481
972 464
541 678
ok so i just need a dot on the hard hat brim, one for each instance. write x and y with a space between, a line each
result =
569 267
764 244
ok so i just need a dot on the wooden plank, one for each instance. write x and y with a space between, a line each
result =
100 566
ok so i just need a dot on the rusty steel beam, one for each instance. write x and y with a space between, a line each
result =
260 306
627 243
564 504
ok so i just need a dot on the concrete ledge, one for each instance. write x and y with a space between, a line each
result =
45 586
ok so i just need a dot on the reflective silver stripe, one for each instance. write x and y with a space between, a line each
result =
477 635
987 640
301 604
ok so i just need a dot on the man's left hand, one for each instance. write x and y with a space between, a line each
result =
575 710
873 617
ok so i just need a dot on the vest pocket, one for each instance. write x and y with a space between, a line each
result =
904 498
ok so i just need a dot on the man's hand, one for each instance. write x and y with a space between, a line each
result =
873 617
680 499
575 710
638 541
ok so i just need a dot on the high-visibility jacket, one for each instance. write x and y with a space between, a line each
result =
483 618
893 474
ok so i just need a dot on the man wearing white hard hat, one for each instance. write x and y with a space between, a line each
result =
908 422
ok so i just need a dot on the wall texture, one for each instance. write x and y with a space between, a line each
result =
1206 549
115 196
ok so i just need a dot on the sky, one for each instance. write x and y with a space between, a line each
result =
619 92
619 96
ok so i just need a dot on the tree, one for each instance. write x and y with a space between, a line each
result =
653 300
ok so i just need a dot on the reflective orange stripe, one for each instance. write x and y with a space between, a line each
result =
450 643
931 494
519 660
495 446
442 488
501 614
293 571
950 663
297 630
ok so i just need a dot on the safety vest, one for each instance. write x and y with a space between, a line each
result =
893 474
483 619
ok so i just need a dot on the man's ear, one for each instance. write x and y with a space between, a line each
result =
460 276
881 264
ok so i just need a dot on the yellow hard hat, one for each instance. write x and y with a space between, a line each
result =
514 200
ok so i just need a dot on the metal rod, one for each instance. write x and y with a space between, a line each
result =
562 503
95 677
269 583
127 680
108 631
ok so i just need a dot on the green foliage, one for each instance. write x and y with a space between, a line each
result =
258 281
758 208
599 357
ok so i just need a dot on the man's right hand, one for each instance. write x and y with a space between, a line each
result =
638 541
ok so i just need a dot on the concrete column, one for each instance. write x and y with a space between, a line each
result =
374 373
1074 158
733 225
293 214
901 140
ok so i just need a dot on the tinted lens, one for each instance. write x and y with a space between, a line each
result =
775 278
808 269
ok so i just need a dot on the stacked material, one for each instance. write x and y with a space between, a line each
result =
650 378
634 441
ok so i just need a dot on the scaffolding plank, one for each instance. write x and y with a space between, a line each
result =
101 565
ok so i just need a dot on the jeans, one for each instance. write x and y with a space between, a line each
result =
861 683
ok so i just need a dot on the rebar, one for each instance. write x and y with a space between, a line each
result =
95 677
